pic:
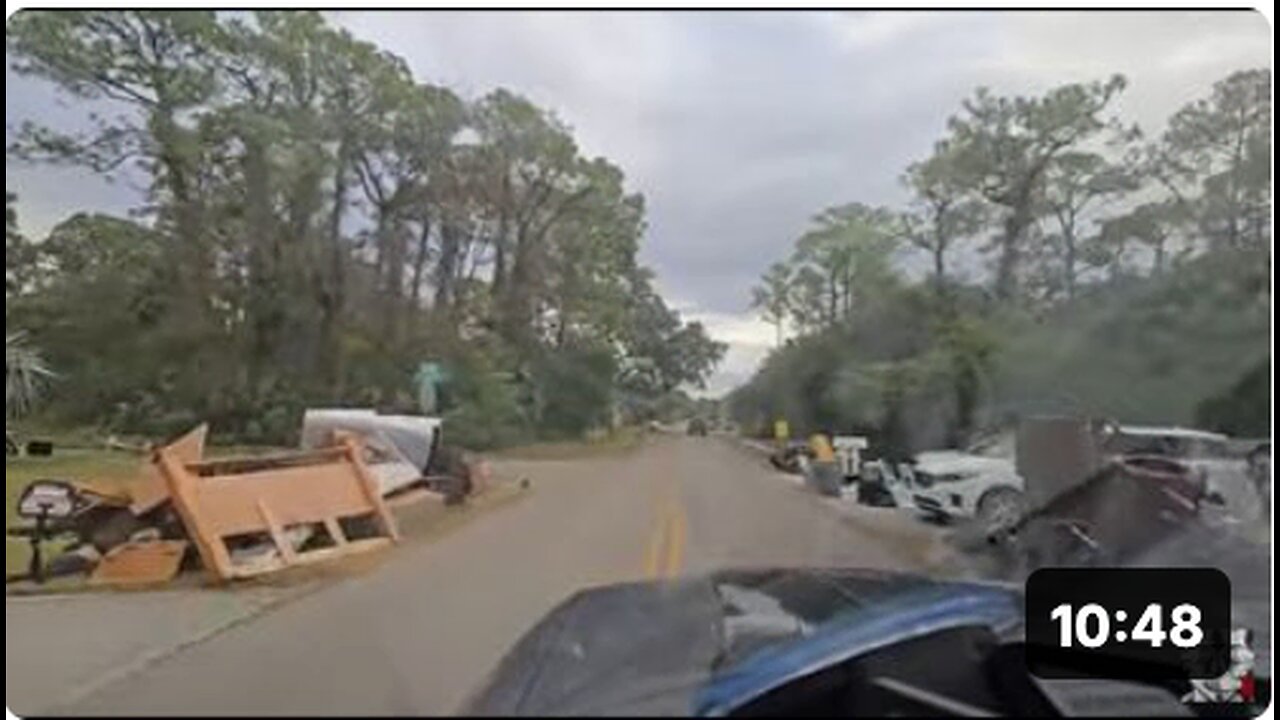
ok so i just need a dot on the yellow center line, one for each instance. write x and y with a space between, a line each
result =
676 540
664 553
653 550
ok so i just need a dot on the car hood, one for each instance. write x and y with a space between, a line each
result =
948 461
703 644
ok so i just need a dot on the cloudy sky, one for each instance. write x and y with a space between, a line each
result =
739 126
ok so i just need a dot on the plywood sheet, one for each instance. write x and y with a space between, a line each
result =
140 563
151 489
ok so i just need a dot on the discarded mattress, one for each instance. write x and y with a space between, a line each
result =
399 447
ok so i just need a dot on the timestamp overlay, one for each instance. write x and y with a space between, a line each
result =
1128 623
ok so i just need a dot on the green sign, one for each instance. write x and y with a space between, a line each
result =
427 381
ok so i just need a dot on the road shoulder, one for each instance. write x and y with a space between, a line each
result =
61 648
920 545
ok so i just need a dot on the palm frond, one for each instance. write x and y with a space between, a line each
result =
26 375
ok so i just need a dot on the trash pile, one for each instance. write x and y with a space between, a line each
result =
246 516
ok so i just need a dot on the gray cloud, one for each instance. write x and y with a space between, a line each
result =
739 126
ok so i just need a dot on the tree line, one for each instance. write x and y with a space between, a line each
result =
1081 219
317 223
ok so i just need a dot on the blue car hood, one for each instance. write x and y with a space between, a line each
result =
708 644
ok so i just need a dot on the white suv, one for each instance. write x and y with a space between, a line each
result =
955 484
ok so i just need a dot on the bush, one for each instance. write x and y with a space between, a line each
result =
575 392
1244 410
486 410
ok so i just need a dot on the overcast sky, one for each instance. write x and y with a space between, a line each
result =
739 126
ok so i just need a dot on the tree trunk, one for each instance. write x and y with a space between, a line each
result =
1069 254
191 265
832 297
517 306
939 266
1015 226
331 282
262 311
192 334
393 267
500 242
419 264
413 309
1070 267
446 266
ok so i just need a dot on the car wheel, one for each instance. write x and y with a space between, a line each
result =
999 509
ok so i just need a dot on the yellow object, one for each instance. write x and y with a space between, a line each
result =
822 450
781 430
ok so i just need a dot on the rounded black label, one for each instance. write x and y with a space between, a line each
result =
1128 623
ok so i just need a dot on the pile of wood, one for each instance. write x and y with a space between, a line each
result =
234 517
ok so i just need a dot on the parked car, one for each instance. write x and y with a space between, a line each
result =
1207 455
951 484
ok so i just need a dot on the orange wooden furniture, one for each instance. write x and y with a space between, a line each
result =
221 501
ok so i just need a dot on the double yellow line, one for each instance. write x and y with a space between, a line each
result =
664 555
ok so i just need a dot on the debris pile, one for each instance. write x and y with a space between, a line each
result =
245 516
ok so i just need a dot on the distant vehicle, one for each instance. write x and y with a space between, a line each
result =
950 484
697 427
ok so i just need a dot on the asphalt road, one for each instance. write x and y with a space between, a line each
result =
418 634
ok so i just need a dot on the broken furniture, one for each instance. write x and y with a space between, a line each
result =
152 490
1128 506
230 503
136 564
252 515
